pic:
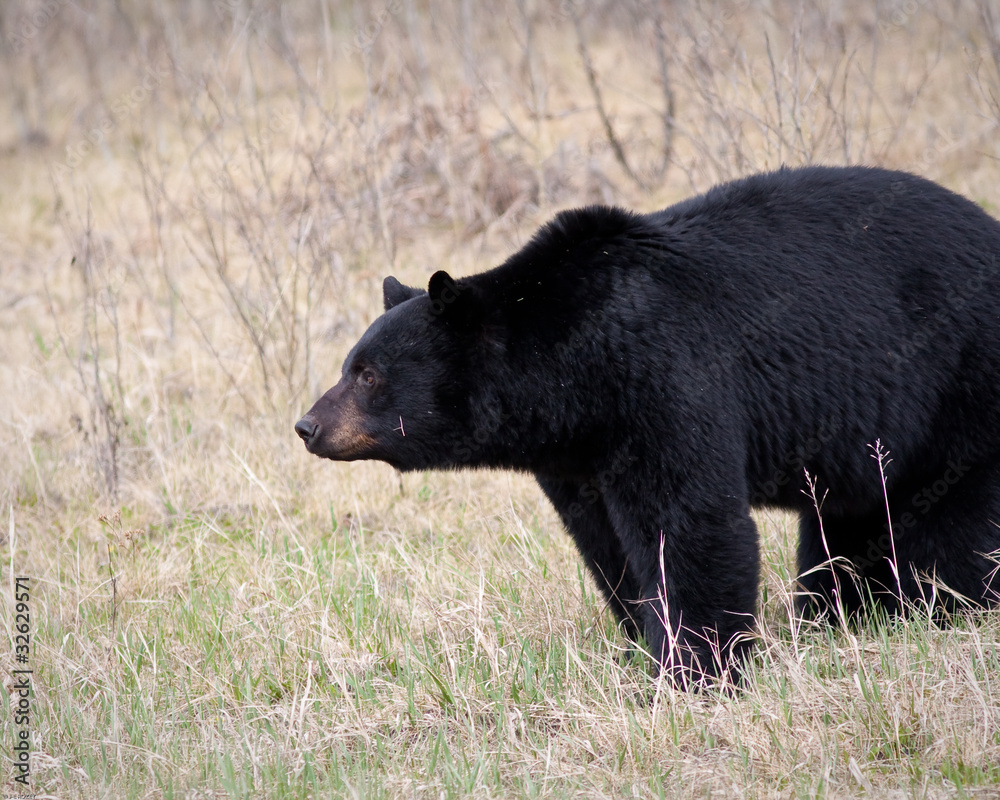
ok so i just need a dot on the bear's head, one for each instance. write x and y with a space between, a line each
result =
403 394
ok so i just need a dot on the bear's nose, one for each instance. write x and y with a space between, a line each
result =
307 428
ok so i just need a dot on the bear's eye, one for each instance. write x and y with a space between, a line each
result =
367 377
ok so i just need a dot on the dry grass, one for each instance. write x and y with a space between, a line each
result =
200 201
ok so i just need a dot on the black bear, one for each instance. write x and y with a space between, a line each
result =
661 374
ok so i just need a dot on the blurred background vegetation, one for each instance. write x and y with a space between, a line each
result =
200 200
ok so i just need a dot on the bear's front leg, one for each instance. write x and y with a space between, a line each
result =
582 510
698 574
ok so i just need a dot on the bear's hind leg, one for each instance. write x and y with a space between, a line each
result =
827 584
945 532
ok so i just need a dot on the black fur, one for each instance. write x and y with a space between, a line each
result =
660 374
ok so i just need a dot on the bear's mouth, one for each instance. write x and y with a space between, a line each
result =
340 443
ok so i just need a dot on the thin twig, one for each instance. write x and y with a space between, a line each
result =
595 89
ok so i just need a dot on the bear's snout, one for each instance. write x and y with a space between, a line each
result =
334 428
308 429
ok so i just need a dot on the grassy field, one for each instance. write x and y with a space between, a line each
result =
200 200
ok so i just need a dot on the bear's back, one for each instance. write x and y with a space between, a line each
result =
861 302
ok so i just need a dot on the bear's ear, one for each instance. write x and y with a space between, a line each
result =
394 293
449 301
442 288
